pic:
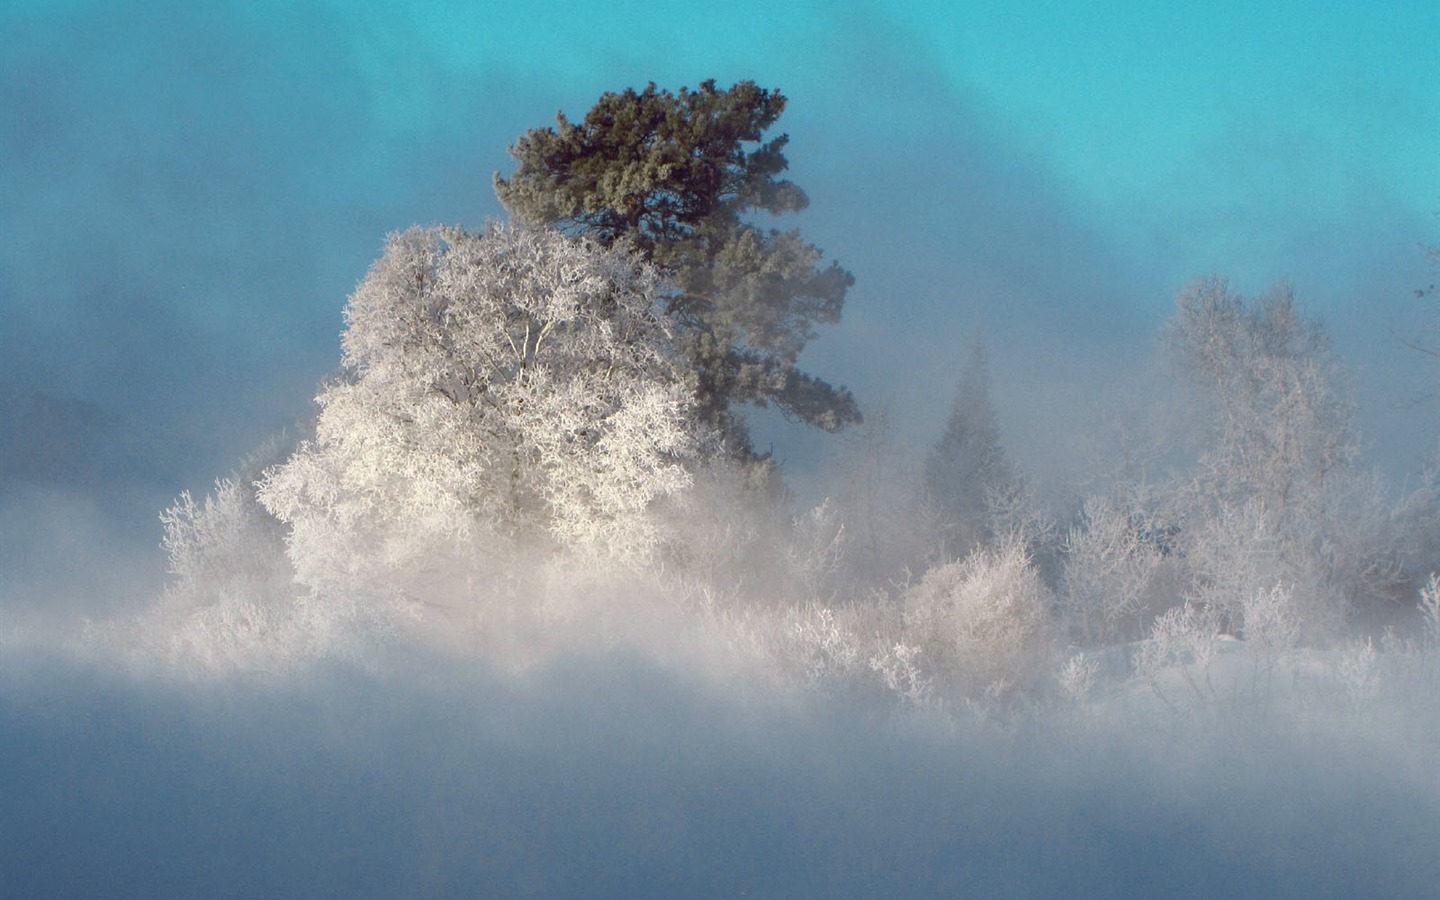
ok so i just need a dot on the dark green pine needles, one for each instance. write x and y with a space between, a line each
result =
676 177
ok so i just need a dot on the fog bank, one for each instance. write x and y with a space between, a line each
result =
607 776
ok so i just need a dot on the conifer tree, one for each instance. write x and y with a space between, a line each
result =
676 177
968 469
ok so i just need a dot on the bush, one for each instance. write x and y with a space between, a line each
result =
984 625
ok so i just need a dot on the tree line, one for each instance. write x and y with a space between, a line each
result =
568 389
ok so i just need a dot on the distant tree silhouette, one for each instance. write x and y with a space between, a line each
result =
968 470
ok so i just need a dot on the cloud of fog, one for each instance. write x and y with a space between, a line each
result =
607 776
65 558
191 193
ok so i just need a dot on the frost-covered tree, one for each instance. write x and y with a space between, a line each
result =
1282 411
968 471
1276 498
510 388
1115 564
677 176
232 601
229 574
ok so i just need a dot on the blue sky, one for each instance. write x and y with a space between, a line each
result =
191 190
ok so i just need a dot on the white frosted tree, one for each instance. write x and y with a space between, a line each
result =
1114 567
506 389
1282 410
231 589
1277 498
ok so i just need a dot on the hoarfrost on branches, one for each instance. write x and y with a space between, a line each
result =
510 388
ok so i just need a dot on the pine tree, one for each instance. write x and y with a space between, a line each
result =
671 176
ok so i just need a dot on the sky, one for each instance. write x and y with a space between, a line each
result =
190 190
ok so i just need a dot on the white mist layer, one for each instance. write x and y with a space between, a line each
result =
605 774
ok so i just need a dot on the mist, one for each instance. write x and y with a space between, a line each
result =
189 196
605 776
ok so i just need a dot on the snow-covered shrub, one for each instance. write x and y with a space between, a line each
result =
1429 607
822 644
1077 677
1336 562
1359 673
983 626
1182 637
1271 628
1412 654
232 601
224 546
1232 556
901 674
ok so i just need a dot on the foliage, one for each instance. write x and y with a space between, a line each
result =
232 602
671 175
1181 637
500 390
223 546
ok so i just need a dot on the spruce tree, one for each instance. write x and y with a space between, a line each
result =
968 469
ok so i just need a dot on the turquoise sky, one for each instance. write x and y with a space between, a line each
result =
1196 134
206 181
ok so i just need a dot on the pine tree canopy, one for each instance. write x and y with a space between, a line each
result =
676 176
